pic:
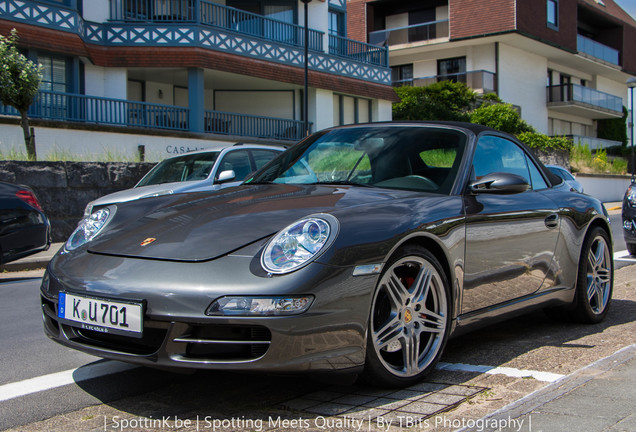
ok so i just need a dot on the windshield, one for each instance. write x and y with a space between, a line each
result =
183 168
420 158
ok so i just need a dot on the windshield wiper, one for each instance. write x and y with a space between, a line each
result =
342 183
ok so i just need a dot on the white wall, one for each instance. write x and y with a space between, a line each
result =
96 10
321 111
106 82
382 110
522 82
54 143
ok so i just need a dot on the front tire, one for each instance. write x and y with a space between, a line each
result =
409 321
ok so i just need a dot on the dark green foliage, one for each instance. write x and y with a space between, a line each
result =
543 142
614 129
442 101
502 117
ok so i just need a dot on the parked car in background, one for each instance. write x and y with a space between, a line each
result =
24 228
629 219
567 177
196 171
362 248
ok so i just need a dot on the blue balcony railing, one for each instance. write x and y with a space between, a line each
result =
360 51
106 111
226 123
215 15
597 50
575 93
238 20
412 33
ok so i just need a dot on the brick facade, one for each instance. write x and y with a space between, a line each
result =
470 18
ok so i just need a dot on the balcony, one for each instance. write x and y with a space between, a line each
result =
116 112
584 102
413 33
210 26
593 143
591 48
480 81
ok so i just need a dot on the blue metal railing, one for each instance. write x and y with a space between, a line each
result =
93 109
597 50
578 93
99 110
226 123
360 51
215 15
412 33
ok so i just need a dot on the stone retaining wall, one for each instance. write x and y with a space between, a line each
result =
64 188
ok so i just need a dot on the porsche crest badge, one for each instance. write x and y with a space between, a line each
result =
148 241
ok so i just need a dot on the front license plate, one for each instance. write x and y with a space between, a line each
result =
106 316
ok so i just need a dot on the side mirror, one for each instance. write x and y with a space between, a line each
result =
500 183
226 176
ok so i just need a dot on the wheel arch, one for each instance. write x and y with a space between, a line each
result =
439 251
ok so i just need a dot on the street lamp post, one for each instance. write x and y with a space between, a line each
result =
631 83
306 83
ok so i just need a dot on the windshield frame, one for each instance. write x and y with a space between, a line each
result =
272 172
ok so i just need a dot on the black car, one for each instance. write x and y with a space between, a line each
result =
24 228
362 248
629 218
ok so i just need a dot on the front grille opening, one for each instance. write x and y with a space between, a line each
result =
148 344
227 343
48 312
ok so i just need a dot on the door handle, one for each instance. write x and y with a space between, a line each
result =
552 221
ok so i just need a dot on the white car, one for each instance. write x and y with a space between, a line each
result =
567 177
204 170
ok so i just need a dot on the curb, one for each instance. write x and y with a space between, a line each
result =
545 395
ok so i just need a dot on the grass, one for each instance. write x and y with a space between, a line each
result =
583 160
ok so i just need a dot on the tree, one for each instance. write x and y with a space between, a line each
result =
444 100
20 80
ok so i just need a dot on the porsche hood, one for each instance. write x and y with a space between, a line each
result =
204 226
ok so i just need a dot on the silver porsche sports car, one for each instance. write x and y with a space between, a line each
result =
362 248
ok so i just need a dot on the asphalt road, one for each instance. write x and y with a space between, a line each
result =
95 391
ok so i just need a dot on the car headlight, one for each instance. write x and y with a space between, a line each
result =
631 195
89 227
299 243
260 306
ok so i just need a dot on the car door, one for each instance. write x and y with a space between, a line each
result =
510 238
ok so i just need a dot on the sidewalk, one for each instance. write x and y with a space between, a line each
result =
597 398
33 262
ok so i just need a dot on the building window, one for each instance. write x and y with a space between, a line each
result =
553 14
54 73
336 23
452 69
281 10
350 110
402 75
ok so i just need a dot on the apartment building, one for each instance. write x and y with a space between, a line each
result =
168 76
563 62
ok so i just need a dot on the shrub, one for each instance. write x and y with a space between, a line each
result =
444 100
502 117
543 142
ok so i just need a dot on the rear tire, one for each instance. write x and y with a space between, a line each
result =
595 280
409 320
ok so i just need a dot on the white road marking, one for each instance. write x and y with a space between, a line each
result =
59 379
623 256
492 370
